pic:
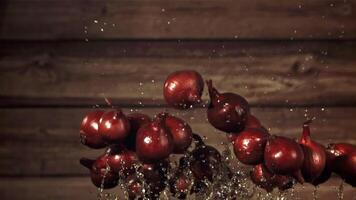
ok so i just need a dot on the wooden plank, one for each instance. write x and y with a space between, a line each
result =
81 188
266 73
208 19
46 141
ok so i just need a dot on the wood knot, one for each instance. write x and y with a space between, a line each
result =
304 66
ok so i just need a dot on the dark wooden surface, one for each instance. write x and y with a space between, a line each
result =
291 60
157 19
266 73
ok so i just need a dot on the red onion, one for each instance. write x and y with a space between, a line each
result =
181 132
114 126
154 142
134 187
89 134
283 155
183 89
179 185
262 177
205 161
249 146
101 175
314 155
227 112
283 182
121 160
156 176
343 161
137 120
253 122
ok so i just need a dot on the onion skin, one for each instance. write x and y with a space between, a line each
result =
156 175
121 160
253 122
100 176
327 171
283 155
154 142
227 112
89 134
114 126
343 159
134 187
181 133
183 89
179 185
262 177
314 156
283 182
205 162
136 120
249 146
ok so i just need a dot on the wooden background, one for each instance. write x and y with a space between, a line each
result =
59 59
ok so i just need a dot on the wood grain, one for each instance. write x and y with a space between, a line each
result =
46 141
158 19
81 188
267 74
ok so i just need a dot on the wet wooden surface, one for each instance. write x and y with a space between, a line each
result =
59 59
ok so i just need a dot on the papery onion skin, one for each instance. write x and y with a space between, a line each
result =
227 112
89 130
283 155
249 146
183 89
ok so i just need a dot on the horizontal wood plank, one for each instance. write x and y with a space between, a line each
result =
132 73
81 188
209 19
46 141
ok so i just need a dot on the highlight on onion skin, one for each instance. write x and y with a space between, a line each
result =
183 89
181 132
249 146
227 112
136 120
314 155
114 126
101 175
344 161
327 171
89 130
154 142
121 160
283 155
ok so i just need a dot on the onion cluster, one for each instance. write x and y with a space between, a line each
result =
138 147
